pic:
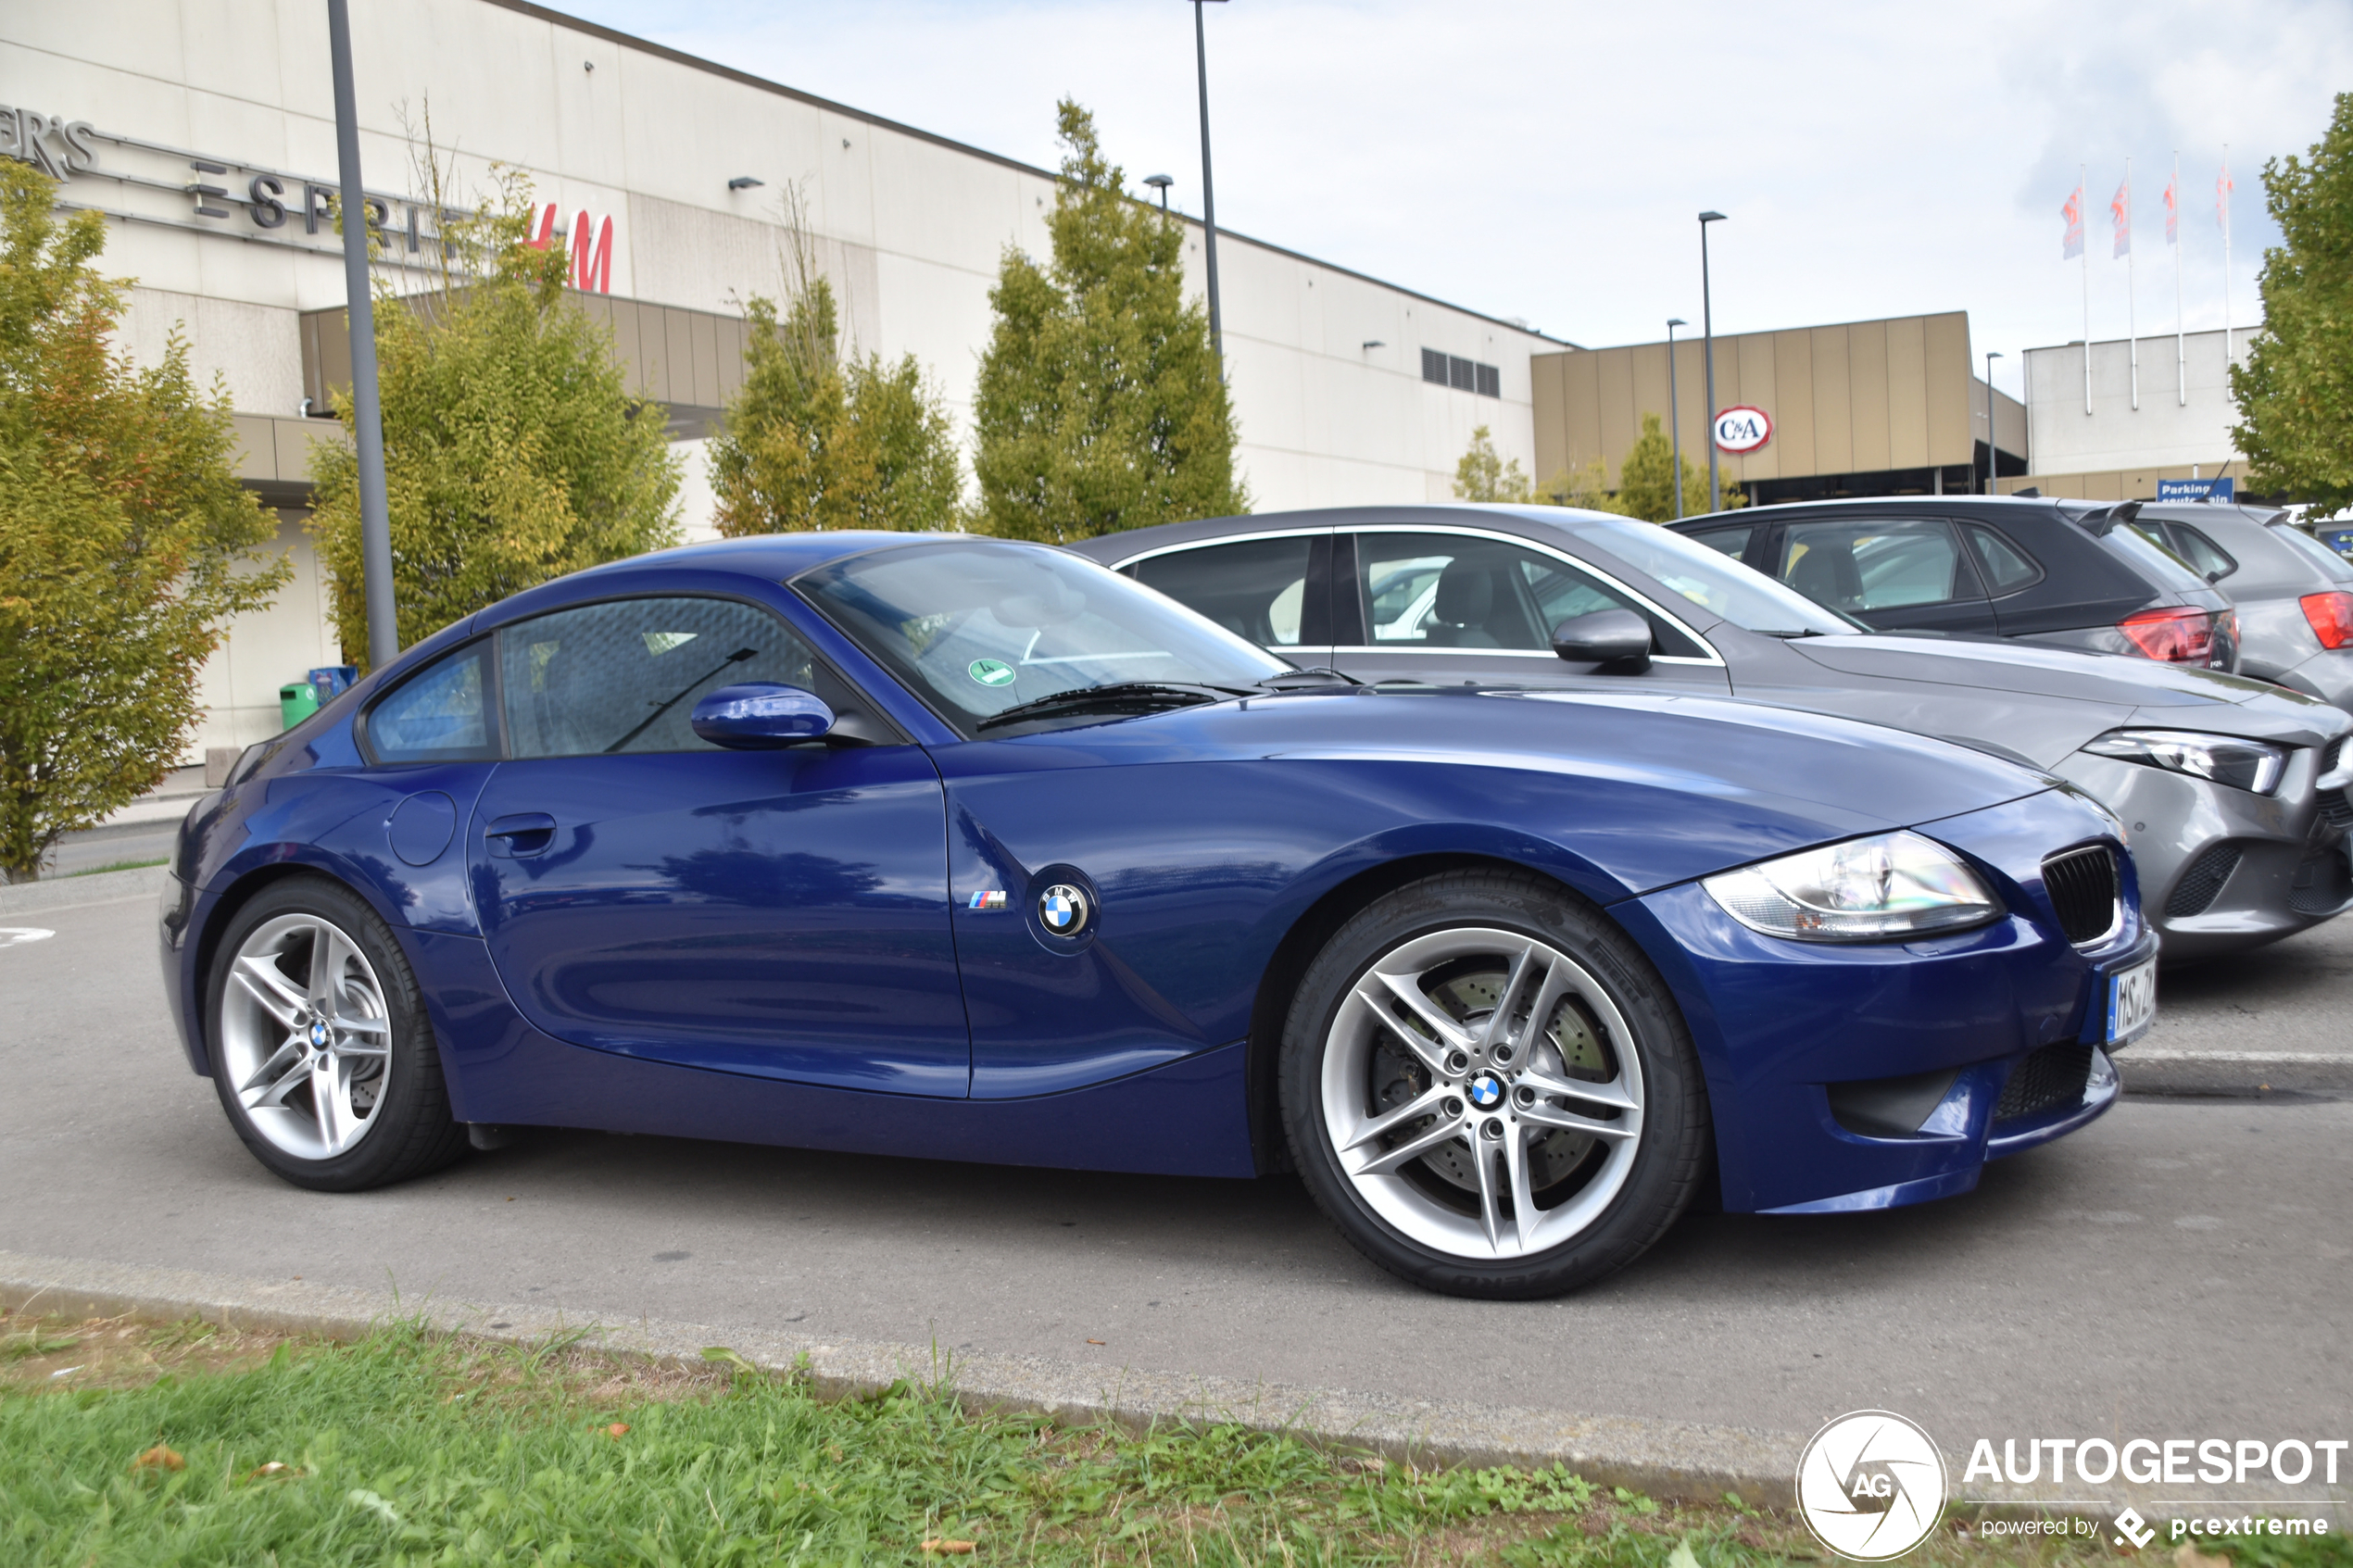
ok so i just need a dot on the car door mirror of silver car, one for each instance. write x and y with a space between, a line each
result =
757 715
1618 640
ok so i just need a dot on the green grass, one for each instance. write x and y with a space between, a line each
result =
121 866
414 1449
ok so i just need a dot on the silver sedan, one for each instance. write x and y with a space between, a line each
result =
2231 793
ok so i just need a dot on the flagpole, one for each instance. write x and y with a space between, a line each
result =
2173 221
2225 194
2132 306
2083 177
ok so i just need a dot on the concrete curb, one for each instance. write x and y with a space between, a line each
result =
72 892
2239 1074
1665 1458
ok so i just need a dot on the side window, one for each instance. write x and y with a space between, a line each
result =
441 714
1256 588
1733 542
2212 561
625 676
1880 564
2008 569
1455 591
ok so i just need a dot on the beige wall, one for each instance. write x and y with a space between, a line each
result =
1854 399
2116 484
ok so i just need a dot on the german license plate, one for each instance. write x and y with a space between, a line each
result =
2131 1002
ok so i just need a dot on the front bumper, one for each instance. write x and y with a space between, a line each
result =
1780 1025
2222 869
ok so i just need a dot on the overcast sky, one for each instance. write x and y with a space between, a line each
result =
1546 160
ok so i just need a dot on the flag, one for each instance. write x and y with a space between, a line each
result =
2119 207
2073 245
2174 210
2222 189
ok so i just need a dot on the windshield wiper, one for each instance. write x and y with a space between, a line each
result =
1134 696
1785 636
661 708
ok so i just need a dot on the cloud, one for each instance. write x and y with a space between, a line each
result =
1545 161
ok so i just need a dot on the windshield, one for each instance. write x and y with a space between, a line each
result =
976 627
1748 599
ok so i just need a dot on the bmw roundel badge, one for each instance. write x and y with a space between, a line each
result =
1062 908
1485 1092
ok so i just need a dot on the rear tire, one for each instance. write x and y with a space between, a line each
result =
322 1052
1490 1090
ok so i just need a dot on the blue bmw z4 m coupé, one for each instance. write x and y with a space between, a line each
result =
976 850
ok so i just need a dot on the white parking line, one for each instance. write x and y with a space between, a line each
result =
17 936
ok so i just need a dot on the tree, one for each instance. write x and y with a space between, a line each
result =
514 450
126 543
2295 390
1646 479
817 440
1585 485
1099 406
1483 474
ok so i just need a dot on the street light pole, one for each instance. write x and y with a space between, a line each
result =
367 419
1992 468
1675 412
1208 194
1707 325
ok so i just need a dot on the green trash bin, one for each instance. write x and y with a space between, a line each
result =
296 701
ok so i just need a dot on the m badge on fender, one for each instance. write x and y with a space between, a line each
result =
988 903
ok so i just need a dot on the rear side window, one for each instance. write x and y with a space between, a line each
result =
440 714
1733 542
625 676
2008 569
2208 558
1880 564
1254 587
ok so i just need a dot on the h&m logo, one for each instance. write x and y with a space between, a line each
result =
589 240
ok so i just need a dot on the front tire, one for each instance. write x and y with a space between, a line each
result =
1489 1089
323 1054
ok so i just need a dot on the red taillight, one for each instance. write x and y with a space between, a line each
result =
2332 617
2179 636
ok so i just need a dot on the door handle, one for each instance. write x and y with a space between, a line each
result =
519 837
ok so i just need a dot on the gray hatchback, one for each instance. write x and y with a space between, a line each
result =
2293 594
2231 793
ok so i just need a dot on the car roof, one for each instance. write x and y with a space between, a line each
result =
1142 541
2010 506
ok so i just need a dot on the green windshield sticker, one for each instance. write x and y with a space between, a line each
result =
990 672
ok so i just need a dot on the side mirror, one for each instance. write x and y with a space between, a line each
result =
760 714
1615 639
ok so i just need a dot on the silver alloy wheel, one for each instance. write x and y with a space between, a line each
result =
304 1037
1481 1093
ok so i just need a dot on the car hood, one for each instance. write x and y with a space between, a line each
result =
1656 788
2106 691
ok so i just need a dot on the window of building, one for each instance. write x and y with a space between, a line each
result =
1462 375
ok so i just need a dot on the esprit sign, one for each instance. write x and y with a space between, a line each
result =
1743 430
175 188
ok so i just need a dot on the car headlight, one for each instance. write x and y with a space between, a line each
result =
1895 885
2243 764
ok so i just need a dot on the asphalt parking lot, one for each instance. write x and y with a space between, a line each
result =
2183 1258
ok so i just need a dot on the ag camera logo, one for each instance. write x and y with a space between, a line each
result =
1870 1486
